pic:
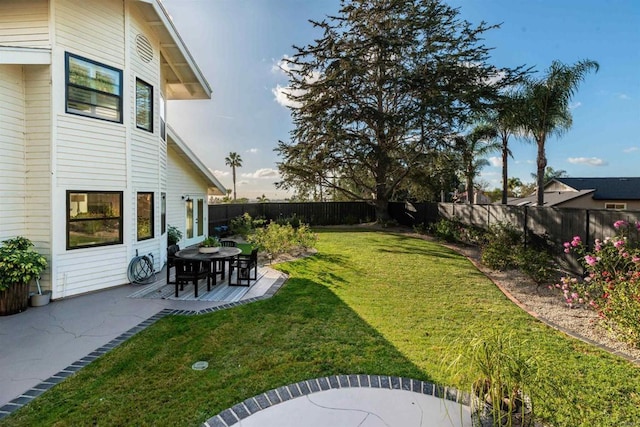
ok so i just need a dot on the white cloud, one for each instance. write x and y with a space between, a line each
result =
631 149
282 93
624 96
575 105
495 161
265 173
589 161
218 173
252 150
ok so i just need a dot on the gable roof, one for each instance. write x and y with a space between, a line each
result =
174 141
605 188
551 198
183 77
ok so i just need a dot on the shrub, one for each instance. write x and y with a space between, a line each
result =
498 253
19 262
173 235
244 225
446 229
612 282
276 239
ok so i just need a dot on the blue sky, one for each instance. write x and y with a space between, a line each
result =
238 44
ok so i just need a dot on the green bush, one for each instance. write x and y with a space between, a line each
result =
276 239
19 262
447 230
244 225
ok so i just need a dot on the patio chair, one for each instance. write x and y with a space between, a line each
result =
190 271
228 243
171 256
245 265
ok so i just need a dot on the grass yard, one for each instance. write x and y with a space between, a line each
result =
367 303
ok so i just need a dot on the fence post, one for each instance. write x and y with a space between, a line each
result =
524 226
586 238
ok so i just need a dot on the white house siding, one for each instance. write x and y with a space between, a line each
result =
38 160
12 146
182 180
90 154
146 150
24 23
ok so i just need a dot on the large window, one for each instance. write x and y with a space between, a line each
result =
93 218
145 216
93 89
144 106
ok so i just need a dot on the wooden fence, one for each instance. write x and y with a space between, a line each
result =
312 213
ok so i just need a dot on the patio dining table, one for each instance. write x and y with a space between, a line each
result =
223 255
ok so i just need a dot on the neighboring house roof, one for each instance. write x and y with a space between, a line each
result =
606 188
174 141
184 78
551 198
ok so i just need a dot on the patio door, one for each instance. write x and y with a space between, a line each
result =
196 220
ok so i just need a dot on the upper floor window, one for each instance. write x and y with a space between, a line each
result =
93 218
144 106
93 89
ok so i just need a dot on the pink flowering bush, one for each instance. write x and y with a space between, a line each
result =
612 283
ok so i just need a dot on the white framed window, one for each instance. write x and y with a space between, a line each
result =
615 206
144 105
93 89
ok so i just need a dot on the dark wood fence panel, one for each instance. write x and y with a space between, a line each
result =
313 213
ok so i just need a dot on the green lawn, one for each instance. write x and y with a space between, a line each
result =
368 302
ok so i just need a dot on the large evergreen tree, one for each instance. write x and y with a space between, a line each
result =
383 86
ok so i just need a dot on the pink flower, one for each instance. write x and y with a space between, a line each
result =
625 255
635 258
638 225
618 243
567 251
590 260
576 241
620 223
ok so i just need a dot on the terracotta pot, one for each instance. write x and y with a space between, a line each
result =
14 299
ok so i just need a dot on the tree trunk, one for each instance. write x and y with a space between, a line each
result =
505 179
15 299
542 164
469 190
382 211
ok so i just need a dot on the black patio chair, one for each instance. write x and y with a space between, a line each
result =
245 265
229 243
171 256
190 271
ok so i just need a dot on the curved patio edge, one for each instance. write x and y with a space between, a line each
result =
254 404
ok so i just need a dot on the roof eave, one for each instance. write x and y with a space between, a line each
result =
203 89
215 188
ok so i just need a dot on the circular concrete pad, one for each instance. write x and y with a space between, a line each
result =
362 407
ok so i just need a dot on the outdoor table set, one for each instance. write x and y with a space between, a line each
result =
193 265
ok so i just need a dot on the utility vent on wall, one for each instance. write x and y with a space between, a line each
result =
144 49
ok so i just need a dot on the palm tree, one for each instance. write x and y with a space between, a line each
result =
262 199
235 161
512 184
547 107
549 174
506 121
471 148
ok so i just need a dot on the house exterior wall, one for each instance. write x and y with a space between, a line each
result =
12 147
24 23
587 202
182 180
47 152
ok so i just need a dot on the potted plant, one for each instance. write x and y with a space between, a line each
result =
210 245
173 235
504 380
19 264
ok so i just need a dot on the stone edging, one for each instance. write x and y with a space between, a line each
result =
45 385
250 406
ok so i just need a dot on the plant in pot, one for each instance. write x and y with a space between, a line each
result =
19 264
173 235
210 245
504 380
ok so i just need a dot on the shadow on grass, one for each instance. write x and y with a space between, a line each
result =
303 332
